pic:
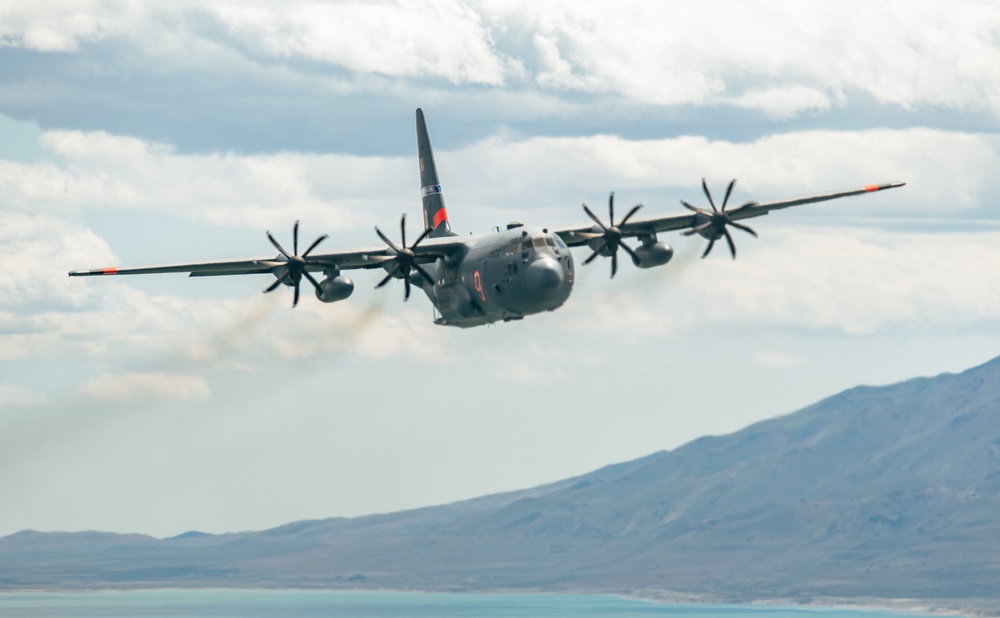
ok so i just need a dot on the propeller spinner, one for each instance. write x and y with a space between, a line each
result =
295 266
718 219
611 237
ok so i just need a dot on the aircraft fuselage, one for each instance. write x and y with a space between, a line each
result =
501 276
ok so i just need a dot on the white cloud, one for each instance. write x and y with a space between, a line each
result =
142 387
39 250
58 26
780 56
45 314
332 192
853 281
16 395
263 191
782 103
546 169
673 53
439 38
773 358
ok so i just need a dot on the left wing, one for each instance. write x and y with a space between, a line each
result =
399 261
358 258
646 226
369 257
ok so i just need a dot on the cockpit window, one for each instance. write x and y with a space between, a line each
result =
559 241
539 242
550 241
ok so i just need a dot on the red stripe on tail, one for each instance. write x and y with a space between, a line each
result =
440 217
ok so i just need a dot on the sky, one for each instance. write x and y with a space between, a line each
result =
135 133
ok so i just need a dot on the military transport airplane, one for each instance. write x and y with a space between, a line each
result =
481 279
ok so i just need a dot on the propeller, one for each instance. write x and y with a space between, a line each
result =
611 237
405 260
718 219
295 267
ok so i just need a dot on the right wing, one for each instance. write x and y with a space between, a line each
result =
644 226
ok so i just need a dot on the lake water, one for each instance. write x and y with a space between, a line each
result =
339 604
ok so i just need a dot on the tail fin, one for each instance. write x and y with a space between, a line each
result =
435 216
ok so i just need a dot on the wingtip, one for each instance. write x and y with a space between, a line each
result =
883 187
97 271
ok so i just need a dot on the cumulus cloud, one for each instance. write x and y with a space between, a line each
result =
45 314
674 53
547 169
851 281
782 103
781 57
39 250
331 192
186 333
102 171
59 26
143 387
440 38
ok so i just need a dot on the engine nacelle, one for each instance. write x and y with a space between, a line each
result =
335 288
653 254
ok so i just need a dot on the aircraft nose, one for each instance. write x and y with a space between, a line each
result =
545 277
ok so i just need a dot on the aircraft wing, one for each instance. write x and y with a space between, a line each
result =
643 226
369 257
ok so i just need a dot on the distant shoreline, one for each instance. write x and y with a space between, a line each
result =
925 607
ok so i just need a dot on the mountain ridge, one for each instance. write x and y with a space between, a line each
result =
877 492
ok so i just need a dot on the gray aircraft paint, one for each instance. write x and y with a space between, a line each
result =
503 276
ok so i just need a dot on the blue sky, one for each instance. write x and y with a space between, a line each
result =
135 134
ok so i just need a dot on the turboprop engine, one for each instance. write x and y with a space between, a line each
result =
332 289
653 254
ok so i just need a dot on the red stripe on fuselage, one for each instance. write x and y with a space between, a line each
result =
440 217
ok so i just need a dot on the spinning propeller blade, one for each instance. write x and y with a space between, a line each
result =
294 266
611 237
714 227
404 259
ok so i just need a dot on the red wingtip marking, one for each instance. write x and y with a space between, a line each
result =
110 271
870 188
440 216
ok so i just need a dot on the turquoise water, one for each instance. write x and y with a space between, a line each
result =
323 603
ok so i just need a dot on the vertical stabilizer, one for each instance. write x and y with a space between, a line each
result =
435 216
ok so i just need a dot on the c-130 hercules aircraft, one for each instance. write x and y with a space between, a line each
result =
481 279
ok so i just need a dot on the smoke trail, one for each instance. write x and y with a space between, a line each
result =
30 433
228 340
